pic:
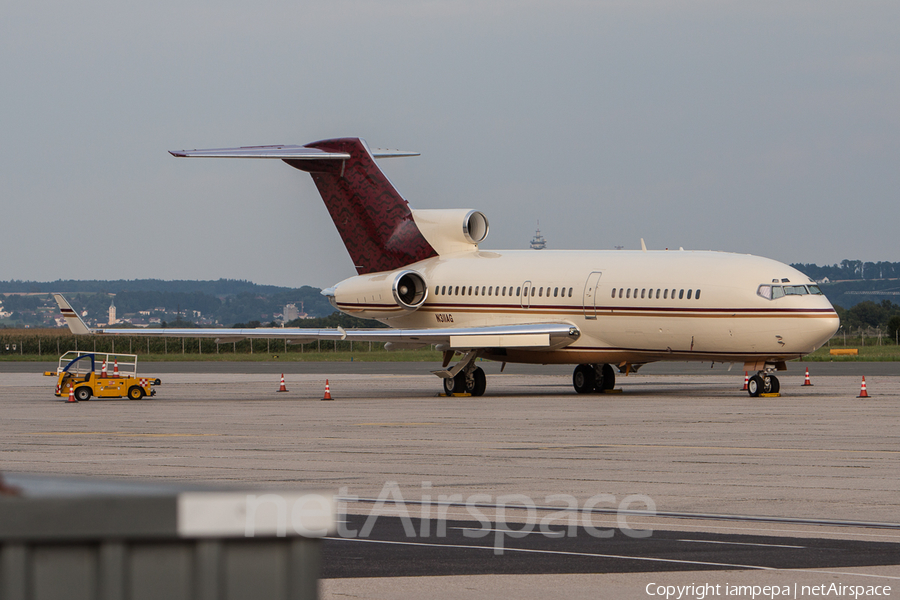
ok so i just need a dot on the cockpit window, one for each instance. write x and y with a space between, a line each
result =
773 292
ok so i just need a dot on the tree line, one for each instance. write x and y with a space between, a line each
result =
884 315
851 269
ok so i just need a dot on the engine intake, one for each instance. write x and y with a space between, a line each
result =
409 290
380 295
452 230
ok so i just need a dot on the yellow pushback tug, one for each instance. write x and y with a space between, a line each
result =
78 369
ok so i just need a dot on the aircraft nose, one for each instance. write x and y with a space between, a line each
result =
824 329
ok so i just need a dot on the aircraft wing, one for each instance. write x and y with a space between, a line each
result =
538 336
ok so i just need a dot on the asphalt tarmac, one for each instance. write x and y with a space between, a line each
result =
529 491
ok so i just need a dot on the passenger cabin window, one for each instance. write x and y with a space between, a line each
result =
697 295
689 294
657 294
613 293
681 295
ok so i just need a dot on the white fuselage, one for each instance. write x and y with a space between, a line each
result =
630 306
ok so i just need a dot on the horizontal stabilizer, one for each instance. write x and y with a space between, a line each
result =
288 152
279 152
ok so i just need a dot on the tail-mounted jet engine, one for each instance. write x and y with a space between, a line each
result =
452 230
379 295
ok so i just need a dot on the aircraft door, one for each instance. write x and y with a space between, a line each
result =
525 297
591 294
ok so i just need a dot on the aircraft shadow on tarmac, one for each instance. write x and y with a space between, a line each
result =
388 552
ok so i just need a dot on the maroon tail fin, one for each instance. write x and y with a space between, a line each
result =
374 221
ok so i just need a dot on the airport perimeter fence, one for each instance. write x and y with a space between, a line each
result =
52 343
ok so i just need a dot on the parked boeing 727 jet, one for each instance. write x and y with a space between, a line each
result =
422 273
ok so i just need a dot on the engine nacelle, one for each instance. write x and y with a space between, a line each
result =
379 295
452 230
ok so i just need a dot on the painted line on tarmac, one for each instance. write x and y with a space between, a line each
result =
392 424
740 543
676 447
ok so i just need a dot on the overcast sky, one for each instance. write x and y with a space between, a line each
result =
770 128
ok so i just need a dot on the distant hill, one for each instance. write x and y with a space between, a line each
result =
153 301
220 287
855 281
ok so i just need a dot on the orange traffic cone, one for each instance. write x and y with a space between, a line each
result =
282 388
862 389
103 369
71 396
746 382
327 392
806 381
116 368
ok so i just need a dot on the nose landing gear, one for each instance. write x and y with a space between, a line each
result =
763 383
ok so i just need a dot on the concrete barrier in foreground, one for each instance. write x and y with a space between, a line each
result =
116 541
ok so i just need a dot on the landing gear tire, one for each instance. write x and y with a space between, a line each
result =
455 385
479 382
758 384
607 379
583 379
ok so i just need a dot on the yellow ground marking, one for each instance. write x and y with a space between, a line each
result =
122 434
392 424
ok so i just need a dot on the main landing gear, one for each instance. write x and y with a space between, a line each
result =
466 382
763 383
465 377
593 378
